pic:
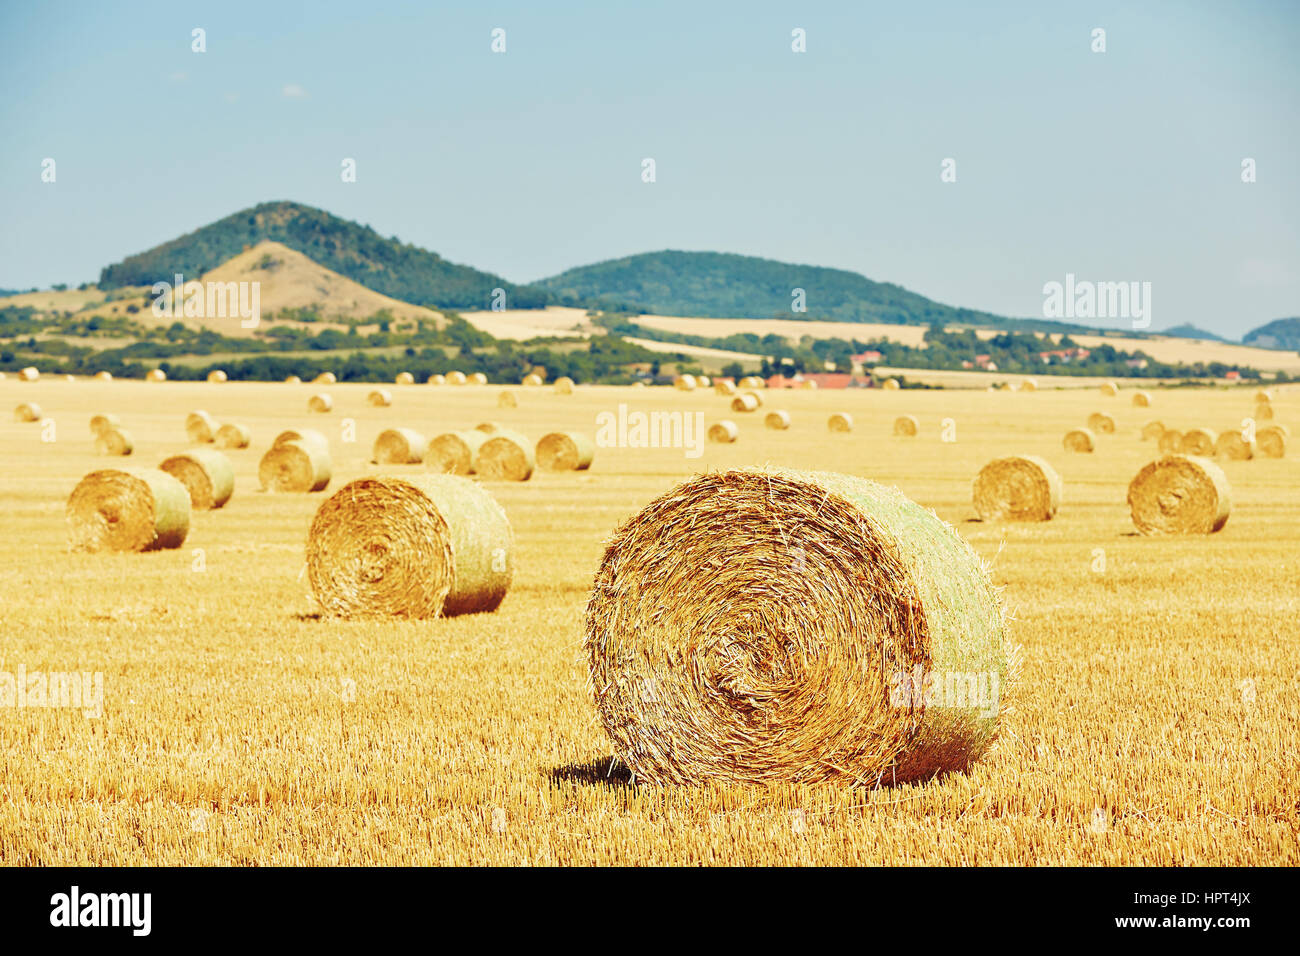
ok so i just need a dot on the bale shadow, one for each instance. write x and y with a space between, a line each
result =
601 772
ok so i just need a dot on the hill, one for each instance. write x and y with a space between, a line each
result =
357 252
1189 331
725 285
1278 334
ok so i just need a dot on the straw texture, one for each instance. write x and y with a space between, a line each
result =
778 420
505 456
1079 440
1018 488
234 436
724 432
200 428
128 510
565 451
207 474
1180 494
399 446
454 453
295 466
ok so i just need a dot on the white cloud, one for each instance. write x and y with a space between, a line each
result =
293 91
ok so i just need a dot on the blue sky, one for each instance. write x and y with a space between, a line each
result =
1123 165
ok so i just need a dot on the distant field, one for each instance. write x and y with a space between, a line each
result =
226 738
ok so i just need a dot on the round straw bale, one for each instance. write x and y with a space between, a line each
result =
1170 441
1153 430
455 378
1079 439
564 385
103 377
103 422
404 378
309 435
326 378
684 383
295 466
128 510
3 376
840 422
292 380
753 381
505 456
1263 412
155 375
769 626
724 432
1180 494
1198 441
531 380
723 387
890 384
539 371
1271 441
1101 423
1109 388
757 397
507 400
1233 444
476 378
1263 395
114 441
778 420
809 383
488 428
703 381
399 446
1141 399
320 402
744 403
565 451
1024 488
906 425
453 453
231 435
1029 385
422 546
29 374
28 412
436 379
380 398
217 375
200 428
207 474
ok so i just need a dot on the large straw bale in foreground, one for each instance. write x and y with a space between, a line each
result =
453 453
724 432
906 426
418 547
200 428
1271 441
1198 441
1101 423
115 442
1019 488
1234 445
128 510
207 474
295 466
505 456
840 422
399 446
565 451
27 412
768 627
1180 494
778 420
1079 440
231 435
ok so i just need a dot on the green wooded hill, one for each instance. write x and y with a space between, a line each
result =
1278 334
390 266
724 285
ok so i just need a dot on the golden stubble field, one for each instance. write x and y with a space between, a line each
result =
1157 716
